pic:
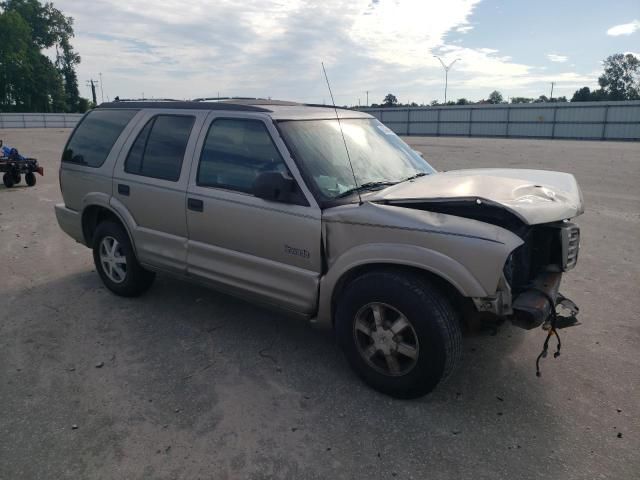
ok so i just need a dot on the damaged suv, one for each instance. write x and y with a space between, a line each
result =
324 213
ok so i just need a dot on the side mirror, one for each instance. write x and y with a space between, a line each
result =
274 186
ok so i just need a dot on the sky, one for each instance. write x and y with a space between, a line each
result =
274 48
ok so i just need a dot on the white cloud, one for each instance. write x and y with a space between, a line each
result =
557 58
624 29
274 48
464 28
406 33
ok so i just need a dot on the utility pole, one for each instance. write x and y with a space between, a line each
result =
92 83
446 74
552 84
101 91
367 98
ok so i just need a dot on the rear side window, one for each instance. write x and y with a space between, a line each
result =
159 149
93 139
235 152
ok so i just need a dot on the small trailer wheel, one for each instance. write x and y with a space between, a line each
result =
16 178
30 178
7 179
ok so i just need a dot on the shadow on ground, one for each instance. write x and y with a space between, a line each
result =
185 370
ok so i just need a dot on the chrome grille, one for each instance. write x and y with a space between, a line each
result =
570 245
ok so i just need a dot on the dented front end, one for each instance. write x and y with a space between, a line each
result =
530 286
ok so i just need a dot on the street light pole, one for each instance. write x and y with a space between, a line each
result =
446 74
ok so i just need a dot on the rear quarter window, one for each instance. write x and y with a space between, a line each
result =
93 139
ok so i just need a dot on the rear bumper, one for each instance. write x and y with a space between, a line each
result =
532 307
70 222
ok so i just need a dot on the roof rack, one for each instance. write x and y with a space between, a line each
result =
247 101
118 99
320 105
184 105
222 99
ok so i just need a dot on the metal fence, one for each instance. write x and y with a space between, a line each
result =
39 120
584 120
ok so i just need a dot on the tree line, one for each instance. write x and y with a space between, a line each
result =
620 80
29 80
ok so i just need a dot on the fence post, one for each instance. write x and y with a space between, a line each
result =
470 119
604 122
553 125
506 131
408 121
438 124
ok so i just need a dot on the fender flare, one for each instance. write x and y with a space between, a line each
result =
103 200
413 256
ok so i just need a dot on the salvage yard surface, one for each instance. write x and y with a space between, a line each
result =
188 383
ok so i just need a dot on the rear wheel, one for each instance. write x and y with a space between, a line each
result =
7 179
399 333
30 178
116 262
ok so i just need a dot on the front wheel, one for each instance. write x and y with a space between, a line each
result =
116 262
30 178
398 332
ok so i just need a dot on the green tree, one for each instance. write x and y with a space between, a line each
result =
582 95
15 68
495 97
462 101
620 79
29 81
521 100
390 100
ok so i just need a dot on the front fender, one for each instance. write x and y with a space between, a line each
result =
395 254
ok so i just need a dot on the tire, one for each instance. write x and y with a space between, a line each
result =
30 178
433 335
7 179
116 262
16 178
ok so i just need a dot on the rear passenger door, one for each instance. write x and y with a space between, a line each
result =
150 180
265 250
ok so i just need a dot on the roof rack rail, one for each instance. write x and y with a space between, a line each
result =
184 105
209 99
322 105
118 99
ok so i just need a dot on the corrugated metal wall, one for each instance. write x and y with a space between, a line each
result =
39 120
584 120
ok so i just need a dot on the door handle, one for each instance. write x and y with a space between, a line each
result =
195 204
123 189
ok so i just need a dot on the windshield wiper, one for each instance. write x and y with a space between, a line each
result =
413 177
364 187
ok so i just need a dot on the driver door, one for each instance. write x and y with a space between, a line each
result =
267 250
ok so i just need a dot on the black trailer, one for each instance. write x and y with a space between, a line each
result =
13 166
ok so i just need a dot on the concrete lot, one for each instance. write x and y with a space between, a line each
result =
199 385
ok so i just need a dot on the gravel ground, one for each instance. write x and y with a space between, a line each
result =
188 383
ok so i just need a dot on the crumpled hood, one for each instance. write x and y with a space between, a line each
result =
535 196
